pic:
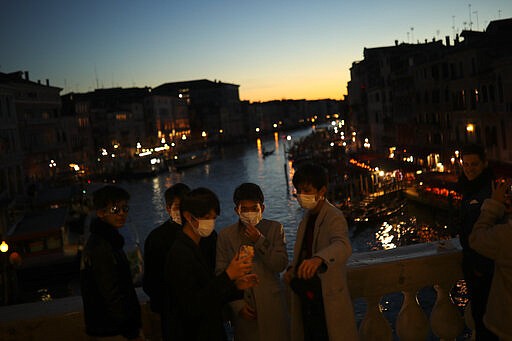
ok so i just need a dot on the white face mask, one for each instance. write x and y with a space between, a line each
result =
307 201
251 218
176 216
205 227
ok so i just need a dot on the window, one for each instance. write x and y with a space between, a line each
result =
121 116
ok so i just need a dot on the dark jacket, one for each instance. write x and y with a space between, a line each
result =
474 193
111 306
157 245
197 294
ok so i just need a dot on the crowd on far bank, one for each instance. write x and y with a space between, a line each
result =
240 284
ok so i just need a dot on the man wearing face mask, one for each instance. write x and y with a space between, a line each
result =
261 314
157 245
197 294
321 308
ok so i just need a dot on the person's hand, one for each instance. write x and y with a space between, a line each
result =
247 313
239 266
246 281
500 189
308 267
252 233
288 275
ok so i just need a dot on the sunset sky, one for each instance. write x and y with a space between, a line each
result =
272 49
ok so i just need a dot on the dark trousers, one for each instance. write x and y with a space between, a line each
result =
313 320
479 286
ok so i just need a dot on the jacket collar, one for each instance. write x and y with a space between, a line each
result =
108 232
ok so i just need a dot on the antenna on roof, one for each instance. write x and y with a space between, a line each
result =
96 75
453 25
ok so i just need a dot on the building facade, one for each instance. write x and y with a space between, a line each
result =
429 99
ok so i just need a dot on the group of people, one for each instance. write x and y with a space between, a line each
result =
199 280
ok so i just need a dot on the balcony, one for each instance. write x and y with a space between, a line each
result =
371 275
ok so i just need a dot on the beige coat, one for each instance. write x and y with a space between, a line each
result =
332 244
270 260
493 241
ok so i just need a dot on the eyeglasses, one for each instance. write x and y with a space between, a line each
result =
117 209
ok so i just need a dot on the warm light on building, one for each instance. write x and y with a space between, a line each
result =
470 128
183 137
203 134
257 130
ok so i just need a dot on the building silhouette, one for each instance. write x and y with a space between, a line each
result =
431 98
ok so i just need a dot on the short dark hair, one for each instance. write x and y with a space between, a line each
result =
199 202
178 190
474 149
109 194
248 191
310 174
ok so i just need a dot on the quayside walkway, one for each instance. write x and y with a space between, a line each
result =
371 276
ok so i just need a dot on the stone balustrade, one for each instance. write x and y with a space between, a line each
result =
408 269
371 276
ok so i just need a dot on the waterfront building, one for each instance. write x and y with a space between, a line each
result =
38 112
167 117
11 155
288 114
430 98
214 107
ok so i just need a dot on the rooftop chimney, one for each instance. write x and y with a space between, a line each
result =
26 76
396 42
447 39
47 82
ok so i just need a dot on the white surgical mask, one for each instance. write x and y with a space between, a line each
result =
307 201
176 216
251 218
205 227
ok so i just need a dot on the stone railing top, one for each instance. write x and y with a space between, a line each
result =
409 252
60 306
389 272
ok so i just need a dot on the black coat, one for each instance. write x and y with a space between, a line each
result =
474 193
111 306
197 294
157 245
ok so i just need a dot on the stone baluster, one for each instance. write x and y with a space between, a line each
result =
445 319
374 326
411 323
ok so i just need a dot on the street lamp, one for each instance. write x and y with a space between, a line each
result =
4 247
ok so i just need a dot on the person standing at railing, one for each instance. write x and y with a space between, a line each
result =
321 307
475 186
493 240
261 314
156 247
111 306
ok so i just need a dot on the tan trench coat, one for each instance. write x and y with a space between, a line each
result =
332 244
270 260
